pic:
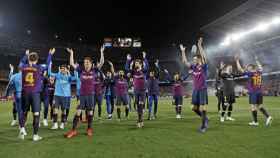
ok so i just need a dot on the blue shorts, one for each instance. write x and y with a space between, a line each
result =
122 100
98 99
86 102
68 105
178 100
256 98
31 100
200 97
61 102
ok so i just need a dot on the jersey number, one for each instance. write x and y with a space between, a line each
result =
257 80
29 78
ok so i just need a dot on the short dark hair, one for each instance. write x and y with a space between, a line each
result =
33 57
88 58
63 65
139 61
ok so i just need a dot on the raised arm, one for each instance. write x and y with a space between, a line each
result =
9 87
51 53
11 71
71 52
101 62
260 67
239 67
128 66
145 62
167 76
24 60
219 69
158 69
184 58
201 50
111 67
49 62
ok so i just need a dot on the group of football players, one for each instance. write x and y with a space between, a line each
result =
137 83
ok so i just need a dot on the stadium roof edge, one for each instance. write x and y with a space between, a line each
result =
235 12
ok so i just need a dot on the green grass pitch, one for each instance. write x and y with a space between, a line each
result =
165 137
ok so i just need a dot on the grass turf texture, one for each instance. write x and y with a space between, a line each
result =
164 137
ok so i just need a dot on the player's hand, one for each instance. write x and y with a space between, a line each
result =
27 52
11 67
128 57
144 54
200 40
157 62
237 57
102 48
182 48
51 51
110 63
166 71
222 64
131 64
70 50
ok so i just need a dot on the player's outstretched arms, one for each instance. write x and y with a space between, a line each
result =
260 67
158 69
239 67
168 77
184 58
111 67
24 60
51 53
201 50
145 62
129 63
71 52
11 71
101 61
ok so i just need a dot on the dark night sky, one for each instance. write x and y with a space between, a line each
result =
156 22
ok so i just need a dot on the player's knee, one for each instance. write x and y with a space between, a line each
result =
90 112
253 108
203 108
194 108
63 112
78 113
36 113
